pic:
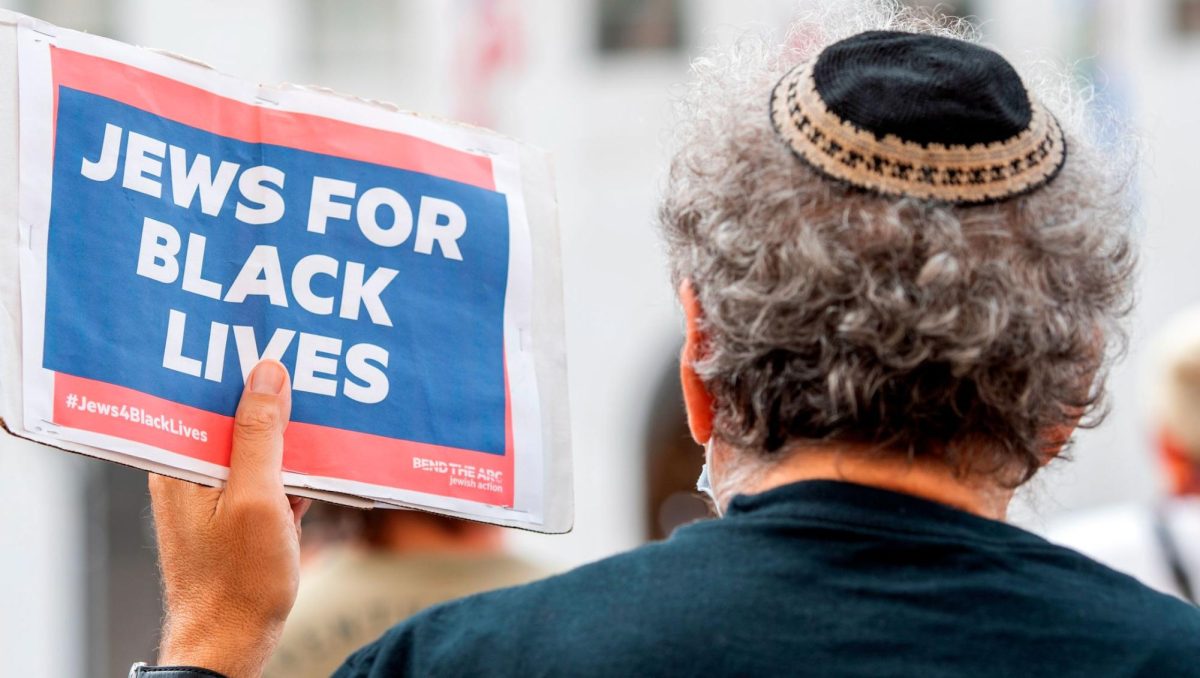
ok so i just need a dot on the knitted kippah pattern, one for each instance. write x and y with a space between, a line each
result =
921 116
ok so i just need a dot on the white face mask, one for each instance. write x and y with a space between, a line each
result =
703 484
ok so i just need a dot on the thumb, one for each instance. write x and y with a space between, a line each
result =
262 415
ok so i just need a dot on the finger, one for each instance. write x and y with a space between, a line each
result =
172 500
256 461
166 492
160 487
300 506
163 494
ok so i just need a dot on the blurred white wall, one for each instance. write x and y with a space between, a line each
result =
42 559
604 119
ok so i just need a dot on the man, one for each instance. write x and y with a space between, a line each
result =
1158 545
900 279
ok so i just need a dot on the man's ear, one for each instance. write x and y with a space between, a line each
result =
696 398
1055 439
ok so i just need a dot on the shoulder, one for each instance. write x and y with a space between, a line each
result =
1175 637
462 636
566 597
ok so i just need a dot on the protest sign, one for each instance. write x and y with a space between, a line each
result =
175 225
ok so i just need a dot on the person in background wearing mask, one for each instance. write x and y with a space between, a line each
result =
900 269
1158 545
367 570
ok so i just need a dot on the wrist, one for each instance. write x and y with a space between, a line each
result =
144 670
218 643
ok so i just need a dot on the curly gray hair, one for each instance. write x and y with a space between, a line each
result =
969 334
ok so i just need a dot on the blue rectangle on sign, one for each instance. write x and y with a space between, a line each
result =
444 346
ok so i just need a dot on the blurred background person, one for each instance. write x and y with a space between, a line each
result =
363 571
1158 543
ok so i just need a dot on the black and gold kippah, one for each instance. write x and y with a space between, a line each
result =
918 115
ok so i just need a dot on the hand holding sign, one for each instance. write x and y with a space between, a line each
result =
230 557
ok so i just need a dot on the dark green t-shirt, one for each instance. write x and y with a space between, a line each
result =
815 578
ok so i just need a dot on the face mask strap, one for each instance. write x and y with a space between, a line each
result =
704 483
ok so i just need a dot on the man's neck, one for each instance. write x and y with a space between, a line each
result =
920 478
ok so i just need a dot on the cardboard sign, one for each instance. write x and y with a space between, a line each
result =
177 225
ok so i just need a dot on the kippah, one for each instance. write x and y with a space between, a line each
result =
922 116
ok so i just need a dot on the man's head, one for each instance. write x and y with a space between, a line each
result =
1175 390
840 292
